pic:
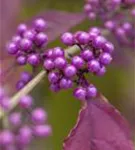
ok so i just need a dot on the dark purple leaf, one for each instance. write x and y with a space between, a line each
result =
100 127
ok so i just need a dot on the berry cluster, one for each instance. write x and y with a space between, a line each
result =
95 55
27 44
100 8
24 126
105 9
124 31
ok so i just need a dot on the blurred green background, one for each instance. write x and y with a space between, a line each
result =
117 85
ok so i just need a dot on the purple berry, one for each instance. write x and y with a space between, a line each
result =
87 55
12 48
21 28
60 62
48 64
99 42
20 84
65 83
80 93
33 59
7 137
26 45
42 130
53 77
41 39
15 119
68 39
70 71
83 38
108 47
25 135
39 116
91 91
58 52
26 102
105 58
93 66
40 25
26 76
16 39
78 62
21 60
101 71
29 35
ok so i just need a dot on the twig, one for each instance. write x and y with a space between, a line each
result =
15 99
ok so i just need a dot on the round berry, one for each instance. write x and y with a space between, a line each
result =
26 102
39 116
26 76
21 60
83 38
78 62
105 58
20 84
33 59
101 71
91 91
26 45
80 93
54 87
87 55
48 64
60 62
93 66
40 25
53 77
68 39
12 48
21 28
41 39
70 71
58 52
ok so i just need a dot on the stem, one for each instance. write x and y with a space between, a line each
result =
15 99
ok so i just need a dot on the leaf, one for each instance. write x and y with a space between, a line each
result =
100 127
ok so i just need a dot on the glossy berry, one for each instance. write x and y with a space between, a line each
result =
60 62
91 91
68 39
39 116
80 93
41 39
53 77
33 59
78 62
21 29
26 44
40 25
105 58
70 71
21 60
48 64
12 48
26 102
58 52
93 66
87 55
83 38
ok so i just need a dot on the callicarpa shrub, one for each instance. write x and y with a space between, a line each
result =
100 126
